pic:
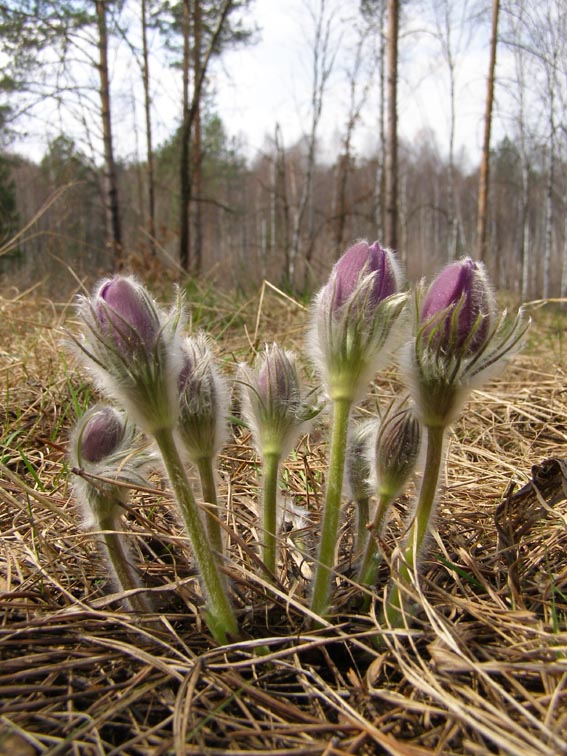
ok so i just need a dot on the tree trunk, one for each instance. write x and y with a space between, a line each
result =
525 230
482 247
548 249
149 147
111 202
380 223
189 113
391 168
282 201
196 149
184 178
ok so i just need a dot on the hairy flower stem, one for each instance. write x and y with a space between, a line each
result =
420 525
363 518
209 489
322 580
271 468
220 616
371 560
123 571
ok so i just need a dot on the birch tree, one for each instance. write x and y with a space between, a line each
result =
111 201
148 120
484 177
391 168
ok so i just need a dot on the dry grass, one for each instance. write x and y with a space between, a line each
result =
483 669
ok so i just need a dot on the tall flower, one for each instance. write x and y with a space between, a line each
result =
203 402
106 452
276 411
354 323
132 348
461 340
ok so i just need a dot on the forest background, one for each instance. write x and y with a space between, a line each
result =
119 180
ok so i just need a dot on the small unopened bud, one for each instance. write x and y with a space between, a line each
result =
397 451
203 399
272 401
100 436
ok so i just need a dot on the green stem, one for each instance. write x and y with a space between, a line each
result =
220 616
371 560
363 518
118 556
322 580
271 468
420 525
209 489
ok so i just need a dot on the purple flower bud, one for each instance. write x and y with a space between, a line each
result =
133 350
203 400
272 401
277 377
397 451
359 261
354 316
458 307
101 435
124 312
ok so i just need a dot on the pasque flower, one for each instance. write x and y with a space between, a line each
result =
106 452
394 456
354 323
132 348
272 401
202 426
461 340
276 411
203 399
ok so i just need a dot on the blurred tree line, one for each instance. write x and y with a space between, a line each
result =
195 205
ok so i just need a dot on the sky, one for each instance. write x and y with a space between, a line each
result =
269 82
272 82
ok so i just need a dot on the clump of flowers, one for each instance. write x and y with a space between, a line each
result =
108 453
134 351
276 411
460 341
172 389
